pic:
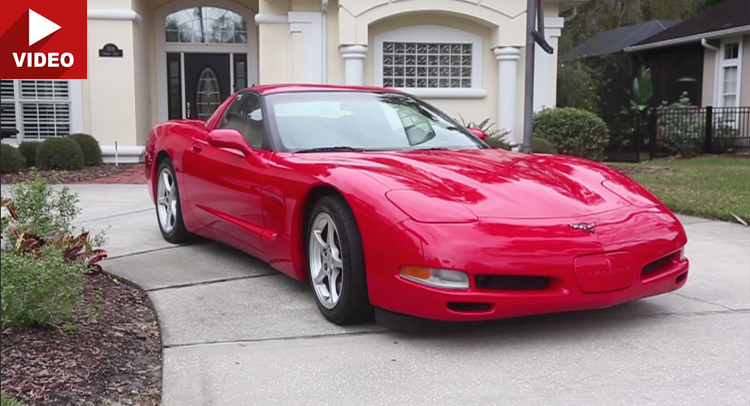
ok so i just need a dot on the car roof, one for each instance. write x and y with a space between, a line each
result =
304 87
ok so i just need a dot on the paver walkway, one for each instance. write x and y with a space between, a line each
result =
237 333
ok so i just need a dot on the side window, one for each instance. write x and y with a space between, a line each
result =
245 115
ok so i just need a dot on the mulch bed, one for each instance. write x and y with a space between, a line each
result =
113 358
745 154
67 177
629 170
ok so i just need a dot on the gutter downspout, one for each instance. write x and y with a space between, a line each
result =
324 28
707 46
572 15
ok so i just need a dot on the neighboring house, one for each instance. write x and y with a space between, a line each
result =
602 50
182 58
711 49
616 40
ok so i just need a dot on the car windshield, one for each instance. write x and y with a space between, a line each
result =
363 121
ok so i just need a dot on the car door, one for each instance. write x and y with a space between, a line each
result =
226 185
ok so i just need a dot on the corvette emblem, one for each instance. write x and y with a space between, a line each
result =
589 228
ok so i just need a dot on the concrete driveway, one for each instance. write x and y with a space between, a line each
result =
237 333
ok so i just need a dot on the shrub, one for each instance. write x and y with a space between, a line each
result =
7 401
578 85
28 150
542 146
11 160
499 142
494 136
92 152
60 153
39 290
573 131
682 128
43 210
41 217
42 264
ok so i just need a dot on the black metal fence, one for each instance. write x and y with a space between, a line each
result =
667 131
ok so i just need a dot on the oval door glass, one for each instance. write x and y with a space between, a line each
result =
208 96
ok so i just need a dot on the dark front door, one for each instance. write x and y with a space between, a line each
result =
207 83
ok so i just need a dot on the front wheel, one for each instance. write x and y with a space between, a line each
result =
168 207
336 263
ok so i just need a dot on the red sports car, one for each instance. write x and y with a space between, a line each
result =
382 201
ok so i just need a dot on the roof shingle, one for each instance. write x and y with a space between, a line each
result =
727 15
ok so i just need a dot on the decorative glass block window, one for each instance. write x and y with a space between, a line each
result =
430 60
38 109
414 64
206 25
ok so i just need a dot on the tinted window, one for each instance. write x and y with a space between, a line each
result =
245 115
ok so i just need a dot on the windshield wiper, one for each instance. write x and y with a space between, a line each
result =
332 149
432 149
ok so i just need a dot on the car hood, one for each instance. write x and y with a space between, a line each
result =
494 183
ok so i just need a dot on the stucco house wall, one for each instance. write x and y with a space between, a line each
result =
312 41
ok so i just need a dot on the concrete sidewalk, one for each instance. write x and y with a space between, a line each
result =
237 332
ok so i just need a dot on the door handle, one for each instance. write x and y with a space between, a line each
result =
197 148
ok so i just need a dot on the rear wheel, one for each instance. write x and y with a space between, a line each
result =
168 207
336 263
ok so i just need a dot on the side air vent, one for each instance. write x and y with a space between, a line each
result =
660 265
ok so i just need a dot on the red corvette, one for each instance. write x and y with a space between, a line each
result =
381 201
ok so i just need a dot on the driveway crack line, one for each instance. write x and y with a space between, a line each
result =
287 338
388 331
702 301
132 254
211 282
117 215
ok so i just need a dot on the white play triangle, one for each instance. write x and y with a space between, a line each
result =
39 27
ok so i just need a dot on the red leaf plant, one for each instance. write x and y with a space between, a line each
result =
75 248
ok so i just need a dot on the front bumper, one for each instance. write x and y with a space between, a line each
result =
520 268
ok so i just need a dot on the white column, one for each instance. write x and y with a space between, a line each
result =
507 80
542 65
354 63
309 25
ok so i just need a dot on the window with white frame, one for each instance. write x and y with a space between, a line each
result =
430 59
38 109
730 59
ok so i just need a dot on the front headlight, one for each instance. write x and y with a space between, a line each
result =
439 278
682 254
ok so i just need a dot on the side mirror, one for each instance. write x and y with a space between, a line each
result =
478 133
229 138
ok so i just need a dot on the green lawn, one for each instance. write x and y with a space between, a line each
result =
711 186
6 401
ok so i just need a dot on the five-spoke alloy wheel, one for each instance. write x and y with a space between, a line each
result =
326 265
168 209
336 262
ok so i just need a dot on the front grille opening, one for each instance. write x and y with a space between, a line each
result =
681 278
511 282
468 306
656 267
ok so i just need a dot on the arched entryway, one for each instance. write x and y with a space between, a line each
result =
205 51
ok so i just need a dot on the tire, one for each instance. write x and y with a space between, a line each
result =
168 205
343 263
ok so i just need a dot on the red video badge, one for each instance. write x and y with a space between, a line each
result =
43 39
